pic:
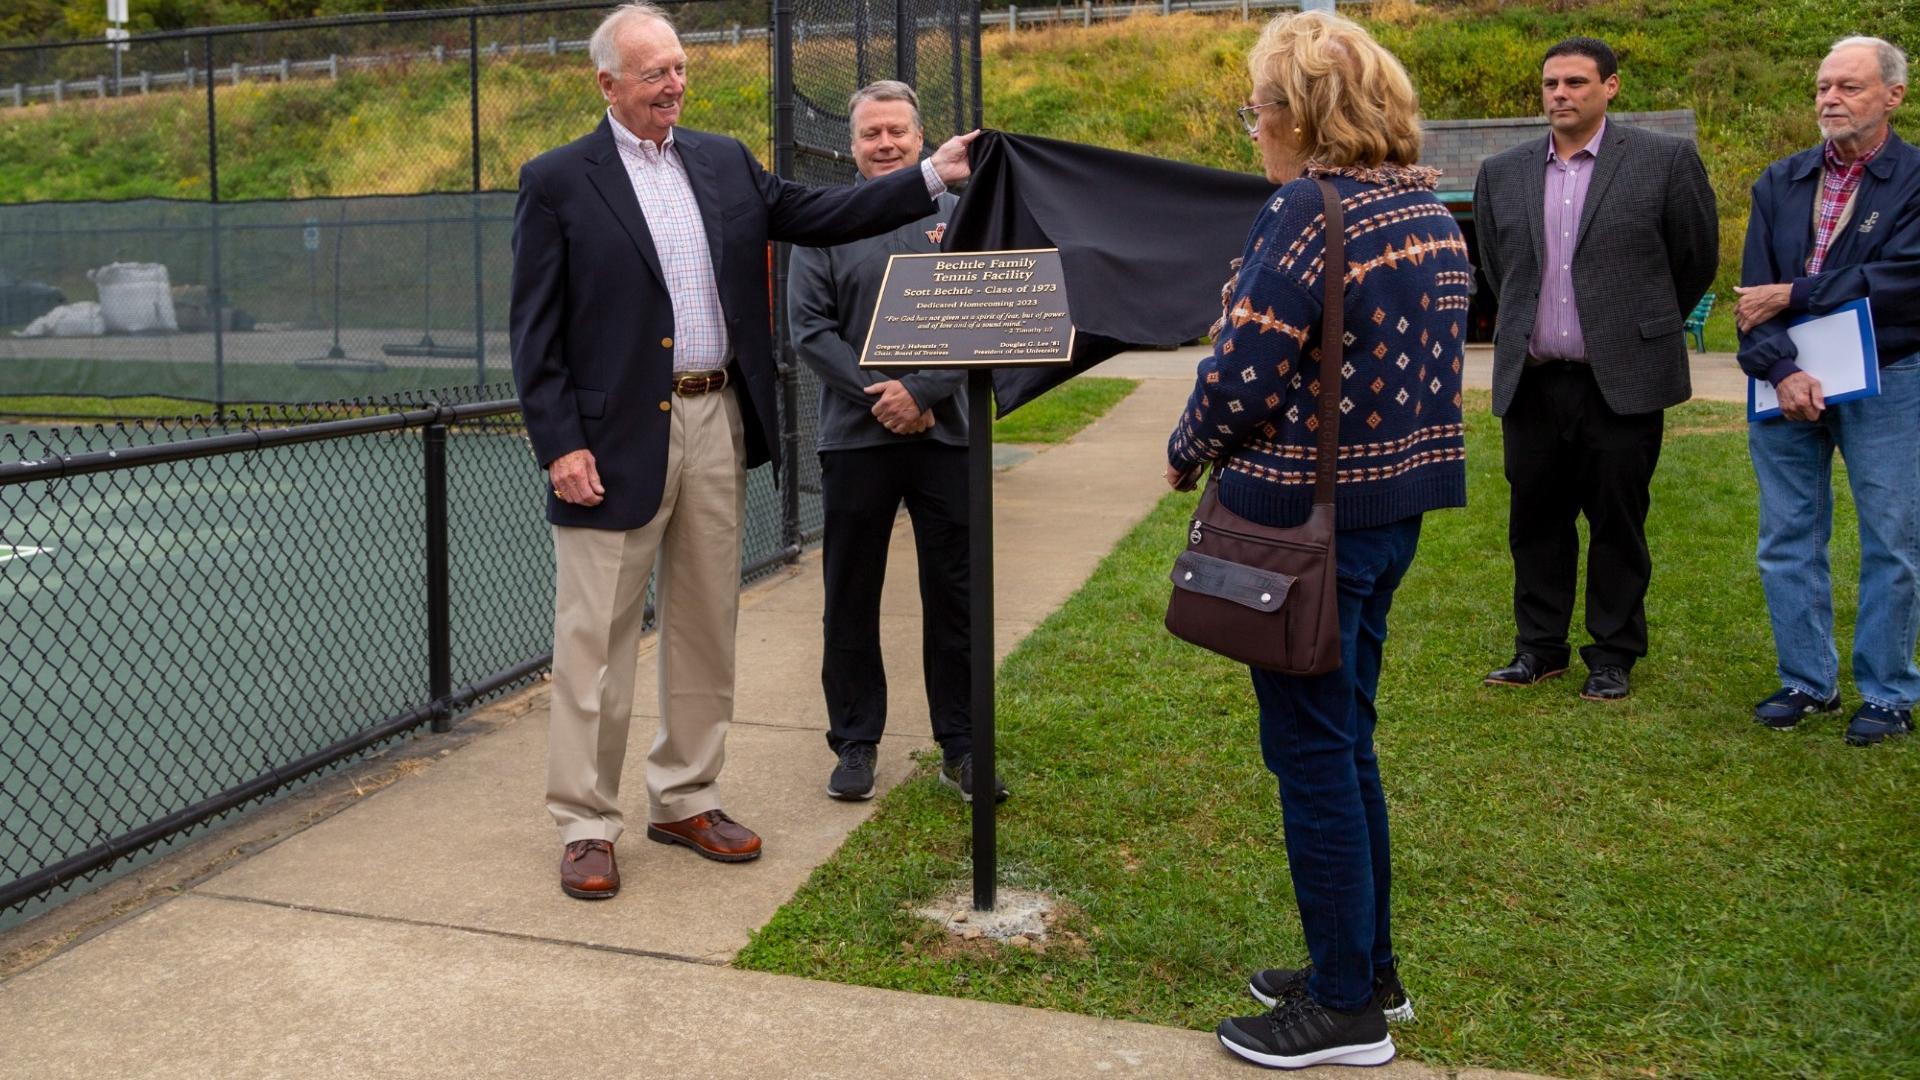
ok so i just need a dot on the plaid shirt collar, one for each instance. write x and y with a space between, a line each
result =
1837 186
629 143
1852 169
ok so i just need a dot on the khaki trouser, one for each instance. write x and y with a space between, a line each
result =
599 600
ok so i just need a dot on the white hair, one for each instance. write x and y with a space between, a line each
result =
604 45
1893 62
885 90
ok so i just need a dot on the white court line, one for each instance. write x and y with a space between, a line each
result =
9 552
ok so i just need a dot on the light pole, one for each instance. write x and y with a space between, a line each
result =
117 37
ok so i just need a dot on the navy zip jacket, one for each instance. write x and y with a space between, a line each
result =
1877 256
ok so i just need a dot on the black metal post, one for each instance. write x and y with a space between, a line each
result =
216 292
976 64
980 633
784 140
862 33
906 43
959 87
479 268
439 591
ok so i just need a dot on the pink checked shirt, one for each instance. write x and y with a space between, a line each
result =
680 239
1556 324
1837 184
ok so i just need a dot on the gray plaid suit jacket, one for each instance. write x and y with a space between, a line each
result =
1648 246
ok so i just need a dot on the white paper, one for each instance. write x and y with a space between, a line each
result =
1833 351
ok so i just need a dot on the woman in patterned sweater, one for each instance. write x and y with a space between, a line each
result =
1329 101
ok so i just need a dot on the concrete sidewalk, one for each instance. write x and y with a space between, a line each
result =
419 930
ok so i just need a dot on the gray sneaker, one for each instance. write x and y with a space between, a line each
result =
957 773
852 779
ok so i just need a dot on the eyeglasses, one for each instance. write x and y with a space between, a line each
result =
1249 116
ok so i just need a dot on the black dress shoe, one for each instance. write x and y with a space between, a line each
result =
1524 670
1607 683
1784 710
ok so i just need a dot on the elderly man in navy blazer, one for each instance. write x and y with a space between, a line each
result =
1830 225
642 349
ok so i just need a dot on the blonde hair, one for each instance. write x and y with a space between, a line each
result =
1349 97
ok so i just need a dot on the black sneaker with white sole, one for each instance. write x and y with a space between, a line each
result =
1269 985
957 773
1300 1032
852 779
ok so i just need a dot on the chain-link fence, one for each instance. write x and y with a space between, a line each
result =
824 50
298 212
199 614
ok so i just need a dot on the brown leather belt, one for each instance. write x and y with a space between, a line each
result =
695 383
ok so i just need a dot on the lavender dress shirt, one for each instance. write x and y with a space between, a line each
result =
1556 325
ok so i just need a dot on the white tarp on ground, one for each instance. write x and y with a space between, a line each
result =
83 319
135 298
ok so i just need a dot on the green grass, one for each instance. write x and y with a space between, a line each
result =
1058 414
1655 888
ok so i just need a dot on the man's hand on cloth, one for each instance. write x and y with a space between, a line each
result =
950 161
575 479
1758 303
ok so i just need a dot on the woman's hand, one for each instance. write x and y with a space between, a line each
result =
1182 481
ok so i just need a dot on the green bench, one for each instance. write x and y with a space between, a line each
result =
1697 322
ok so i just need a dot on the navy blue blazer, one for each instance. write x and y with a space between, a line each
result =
1877 256
592 323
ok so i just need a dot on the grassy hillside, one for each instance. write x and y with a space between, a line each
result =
1168 86
394 130
1162 86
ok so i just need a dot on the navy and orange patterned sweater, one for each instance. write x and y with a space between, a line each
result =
1402 443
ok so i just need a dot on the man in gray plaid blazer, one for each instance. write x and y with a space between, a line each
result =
1597 240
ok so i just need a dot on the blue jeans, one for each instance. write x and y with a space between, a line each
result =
1880 439
1316 733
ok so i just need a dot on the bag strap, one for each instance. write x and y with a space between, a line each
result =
1333 347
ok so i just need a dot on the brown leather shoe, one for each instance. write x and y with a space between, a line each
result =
587 870
712 834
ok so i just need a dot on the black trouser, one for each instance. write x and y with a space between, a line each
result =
861 492
1567 454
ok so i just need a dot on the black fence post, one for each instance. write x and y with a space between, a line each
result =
906 43
975 5
439 591
479 267
960 126
783 165
216 291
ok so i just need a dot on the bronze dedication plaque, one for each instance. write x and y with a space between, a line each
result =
971 309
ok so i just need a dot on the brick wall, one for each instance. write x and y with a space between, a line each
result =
1457 147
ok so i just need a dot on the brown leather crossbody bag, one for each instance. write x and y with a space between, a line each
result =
1269 597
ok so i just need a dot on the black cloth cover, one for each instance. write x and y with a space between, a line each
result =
1146 243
